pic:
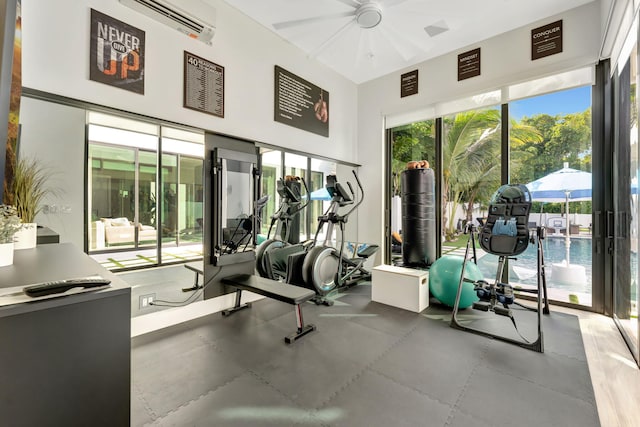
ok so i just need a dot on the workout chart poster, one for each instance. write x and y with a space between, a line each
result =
203 85
300 104
116 53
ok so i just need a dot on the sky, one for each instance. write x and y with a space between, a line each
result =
563 102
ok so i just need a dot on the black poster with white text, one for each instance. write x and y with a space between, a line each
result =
469 64
546 40
300 104
116 53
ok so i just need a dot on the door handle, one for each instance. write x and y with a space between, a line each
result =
610 225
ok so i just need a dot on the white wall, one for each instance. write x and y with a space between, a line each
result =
56 36
56 60
54 134
56 42
506 59
618 18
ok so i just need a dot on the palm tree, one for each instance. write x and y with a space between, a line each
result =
488 178
471 156
415 141
470 149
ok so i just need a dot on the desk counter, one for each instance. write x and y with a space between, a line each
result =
64 360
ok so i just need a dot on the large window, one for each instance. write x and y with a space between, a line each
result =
271 171
470 168
320 199
410 143
545 134
551 144
296 165
137 199
278 164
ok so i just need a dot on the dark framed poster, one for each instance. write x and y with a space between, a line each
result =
469 64
116 53
409 83
300 104
203 85
546 40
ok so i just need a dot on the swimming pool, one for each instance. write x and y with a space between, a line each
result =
524 269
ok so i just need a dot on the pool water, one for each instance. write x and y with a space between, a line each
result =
525 271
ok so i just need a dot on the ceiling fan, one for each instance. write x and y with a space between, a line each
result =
366 14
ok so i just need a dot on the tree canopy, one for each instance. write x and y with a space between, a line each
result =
471 149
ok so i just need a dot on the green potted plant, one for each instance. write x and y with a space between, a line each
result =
9 225
30 186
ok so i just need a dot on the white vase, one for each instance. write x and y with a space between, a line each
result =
27 236
6 254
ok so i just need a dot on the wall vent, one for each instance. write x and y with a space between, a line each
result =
193 17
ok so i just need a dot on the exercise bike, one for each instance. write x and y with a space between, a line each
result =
290 206
326 268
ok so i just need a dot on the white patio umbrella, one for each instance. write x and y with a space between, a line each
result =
564 185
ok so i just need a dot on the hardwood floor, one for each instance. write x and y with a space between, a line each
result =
614 373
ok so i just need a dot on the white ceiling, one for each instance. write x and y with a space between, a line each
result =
400 39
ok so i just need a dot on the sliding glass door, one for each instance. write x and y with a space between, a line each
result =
551 150
137 198
147 198
474 152
121 198
624 227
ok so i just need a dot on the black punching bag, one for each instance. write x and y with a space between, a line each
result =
418 217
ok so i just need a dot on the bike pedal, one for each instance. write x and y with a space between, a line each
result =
482 306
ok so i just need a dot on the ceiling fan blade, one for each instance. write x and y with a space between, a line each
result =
403 48
315 52
312 20
391 3
365 49
352 3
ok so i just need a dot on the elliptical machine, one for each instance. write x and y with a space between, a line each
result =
326 268
290 206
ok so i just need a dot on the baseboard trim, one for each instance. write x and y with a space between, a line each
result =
152 322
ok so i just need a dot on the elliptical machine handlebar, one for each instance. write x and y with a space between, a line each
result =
283 215
354 207
306 190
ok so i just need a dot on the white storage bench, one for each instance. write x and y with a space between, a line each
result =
400 287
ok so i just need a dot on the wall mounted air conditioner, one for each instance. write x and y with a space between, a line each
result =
194 18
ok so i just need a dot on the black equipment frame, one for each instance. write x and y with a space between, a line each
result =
541 293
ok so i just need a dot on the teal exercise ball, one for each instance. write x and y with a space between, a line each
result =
444 276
